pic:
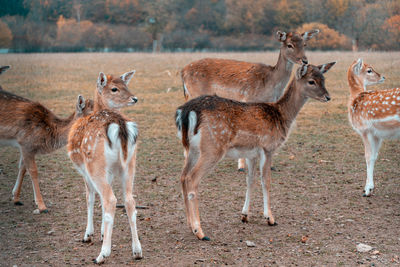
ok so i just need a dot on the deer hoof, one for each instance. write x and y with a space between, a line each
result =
271 222
245 218
241 170
18 203
44 211
206 238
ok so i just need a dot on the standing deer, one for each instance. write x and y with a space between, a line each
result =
34 129
374 115
212 128
101 146
245 81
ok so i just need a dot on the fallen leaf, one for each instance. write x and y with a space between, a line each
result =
304 239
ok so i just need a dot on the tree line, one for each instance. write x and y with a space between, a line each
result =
180 25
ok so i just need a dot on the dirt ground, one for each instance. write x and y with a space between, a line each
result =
316 186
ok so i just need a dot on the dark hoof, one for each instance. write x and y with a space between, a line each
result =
44 211
87 241
241 170
273 169
244 218
272 224
95 262
18 203
206 238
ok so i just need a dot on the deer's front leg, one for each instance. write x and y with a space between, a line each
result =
265 170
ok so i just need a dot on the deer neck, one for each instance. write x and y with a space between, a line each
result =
356 85
61 128
98 103
281 75
291 102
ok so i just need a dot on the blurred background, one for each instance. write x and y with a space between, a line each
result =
202 25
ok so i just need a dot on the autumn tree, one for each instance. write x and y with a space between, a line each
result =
5 35
327 39
392 28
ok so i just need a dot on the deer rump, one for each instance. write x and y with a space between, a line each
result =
231 116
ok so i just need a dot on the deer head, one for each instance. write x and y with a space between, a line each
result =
293 45
365 73
312 82
113 91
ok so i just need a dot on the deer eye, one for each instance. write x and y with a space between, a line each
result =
369 71
114 89
290 46
311 82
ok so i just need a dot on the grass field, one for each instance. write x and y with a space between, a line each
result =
316 188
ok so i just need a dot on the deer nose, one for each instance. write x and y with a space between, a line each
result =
327 97
304 60
134 99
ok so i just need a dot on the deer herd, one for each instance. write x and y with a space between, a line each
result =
233 109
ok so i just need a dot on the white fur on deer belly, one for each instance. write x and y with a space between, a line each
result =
249 153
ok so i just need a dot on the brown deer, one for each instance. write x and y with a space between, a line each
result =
212 128
374 115
34 129
101 146
245 81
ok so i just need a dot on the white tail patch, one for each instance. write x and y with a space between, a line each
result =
178 120
192 122
133 132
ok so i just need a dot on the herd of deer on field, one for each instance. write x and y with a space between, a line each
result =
234 109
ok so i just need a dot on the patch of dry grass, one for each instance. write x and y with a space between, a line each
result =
316 189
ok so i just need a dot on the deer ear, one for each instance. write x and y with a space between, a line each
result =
101 82
80 105
126 77
301 71
3 69
281 36
358 66
308 35
325 67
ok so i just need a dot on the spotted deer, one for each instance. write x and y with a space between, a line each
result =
34 129
212 128
374 115
101 146
245 81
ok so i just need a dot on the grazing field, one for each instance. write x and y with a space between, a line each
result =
316 185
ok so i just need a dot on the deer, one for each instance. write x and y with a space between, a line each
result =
34 129
374 115
245 81
101 146
212 128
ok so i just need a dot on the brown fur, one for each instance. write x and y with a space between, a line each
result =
244 81
374 115
36 130
97 157
227 127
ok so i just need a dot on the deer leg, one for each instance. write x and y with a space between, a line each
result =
90 198
204 164
372 145
30 164
109 202
131 211
18 184
251 164
191 158
241 165
265 169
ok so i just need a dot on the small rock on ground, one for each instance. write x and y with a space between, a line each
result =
250 244
363 247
